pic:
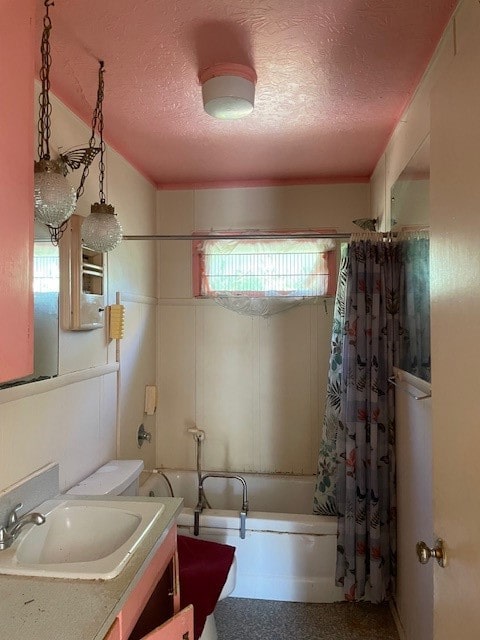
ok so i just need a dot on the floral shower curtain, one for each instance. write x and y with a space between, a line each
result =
365 444
324 502
356 479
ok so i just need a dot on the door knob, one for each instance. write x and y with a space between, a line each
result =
424 552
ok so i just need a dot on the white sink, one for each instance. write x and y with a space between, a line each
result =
83 539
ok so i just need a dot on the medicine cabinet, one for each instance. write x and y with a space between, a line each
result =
82 281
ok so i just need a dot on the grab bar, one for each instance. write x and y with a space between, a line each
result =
393 381
200 504
243 524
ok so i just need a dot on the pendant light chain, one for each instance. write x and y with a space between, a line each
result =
53 198
44 119
98 117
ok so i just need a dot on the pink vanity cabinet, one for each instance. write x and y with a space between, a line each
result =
151 612
16 188
179 627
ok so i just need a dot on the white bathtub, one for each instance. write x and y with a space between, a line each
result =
288 553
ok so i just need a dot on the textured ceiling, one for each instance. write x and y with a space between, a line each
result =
333 79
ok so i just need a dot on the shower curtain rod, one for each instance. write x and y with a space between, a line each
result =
243 236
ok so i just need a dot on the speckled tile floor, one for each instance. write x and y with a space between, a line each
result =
244 619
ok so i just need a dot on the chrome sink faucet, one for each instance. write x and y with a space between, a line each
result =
15 524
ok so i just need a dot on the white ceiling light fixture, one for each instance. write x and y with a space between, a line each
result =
228 90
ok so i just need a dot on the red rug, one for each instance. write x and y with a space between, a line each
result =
204 568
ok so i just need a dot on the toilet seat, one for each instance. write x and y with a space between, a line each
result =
230 582
210 629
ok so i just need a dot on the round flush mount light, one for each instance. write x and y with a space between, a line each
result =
228 90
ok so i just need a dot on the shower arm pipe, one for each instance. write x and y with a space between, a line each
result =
199 437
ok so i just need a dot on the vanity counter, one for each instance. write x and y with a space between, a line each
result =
57 608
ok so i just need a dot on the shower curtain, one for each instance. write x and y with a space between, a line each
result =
365 475
324 502
360 406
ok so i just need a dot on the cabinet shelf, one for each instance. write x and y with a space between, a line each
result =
92 270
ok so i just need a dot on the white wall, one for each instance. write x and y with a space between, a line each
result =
72 420
257 386
132 273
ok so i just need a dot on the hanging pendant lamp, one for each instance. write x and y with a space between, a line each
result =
54 197
101 231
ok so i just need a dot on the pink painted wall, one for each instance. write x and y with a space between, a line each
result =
16 187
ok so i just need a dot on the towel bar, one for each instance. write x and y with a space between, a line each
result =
393 381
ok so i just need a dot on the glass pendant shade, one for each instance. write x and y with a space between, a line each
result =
101 231
54 198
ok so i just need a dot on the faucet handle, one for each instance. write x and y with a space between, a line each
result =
143 436
12 518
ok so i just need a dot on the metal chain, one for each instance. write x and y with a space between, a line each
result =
97 113
44 118
57 232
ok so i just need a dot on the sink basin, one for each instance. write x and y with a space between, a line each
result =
83 539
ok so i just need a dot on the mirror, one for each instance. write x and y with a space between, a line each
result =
46 288
410 193
410 218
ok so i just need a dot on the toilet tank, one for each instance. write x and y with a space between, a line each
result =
116 478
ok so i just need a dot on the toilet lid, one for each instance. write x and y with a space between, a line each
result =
111 479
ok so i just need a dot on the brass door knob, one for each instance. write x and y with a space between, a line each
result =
424 552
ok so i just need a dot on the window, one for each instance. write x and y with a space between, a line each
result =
46 268
291 268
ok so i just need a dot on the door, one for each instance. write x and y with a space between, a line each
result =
180 627
455 296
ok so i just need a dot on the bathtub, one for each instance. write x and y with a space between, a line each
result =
288 554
